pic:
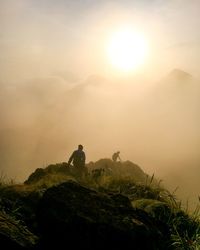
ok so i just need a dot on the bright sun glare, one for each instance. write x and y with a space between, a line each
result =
127 50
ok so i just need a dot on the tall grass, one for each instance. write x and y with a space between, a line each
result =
183 225
186 240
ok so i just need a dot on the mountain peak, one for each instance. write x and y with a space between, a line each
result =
179 74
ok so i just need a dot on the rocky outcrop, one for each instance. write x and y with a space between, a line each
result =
71 214
108 167
41 173
14 236
20 202
122 169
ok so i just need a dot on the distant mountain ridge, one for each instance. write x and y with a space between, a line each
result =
178 74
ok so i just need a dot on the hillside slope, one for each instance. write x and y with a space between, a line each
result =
114 205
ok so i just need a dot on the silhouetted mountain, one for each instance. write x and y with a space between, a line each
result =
179 75
176 83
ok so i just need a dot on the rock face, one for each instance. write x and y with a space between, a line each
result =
41 173
70 214
14 236
122 169
35 176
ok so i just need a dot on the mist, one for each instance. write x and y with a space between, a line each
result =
57 89
154 125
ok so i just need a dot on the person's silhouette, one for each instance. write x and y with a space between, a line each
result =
116 156
78 159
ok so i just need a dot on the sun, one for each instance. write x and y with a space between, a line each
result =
127 49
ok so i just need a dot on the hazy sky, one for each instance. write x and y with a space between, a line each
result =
39 37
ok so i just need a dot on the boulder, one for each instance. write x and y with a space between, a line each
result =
71 214
122 169
157 209
41 173
14 236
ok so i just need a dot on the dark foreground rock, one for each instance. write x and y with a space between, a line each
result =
70 214
14 236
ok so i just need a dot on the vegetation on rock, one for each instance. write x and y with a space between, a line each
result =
115 204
